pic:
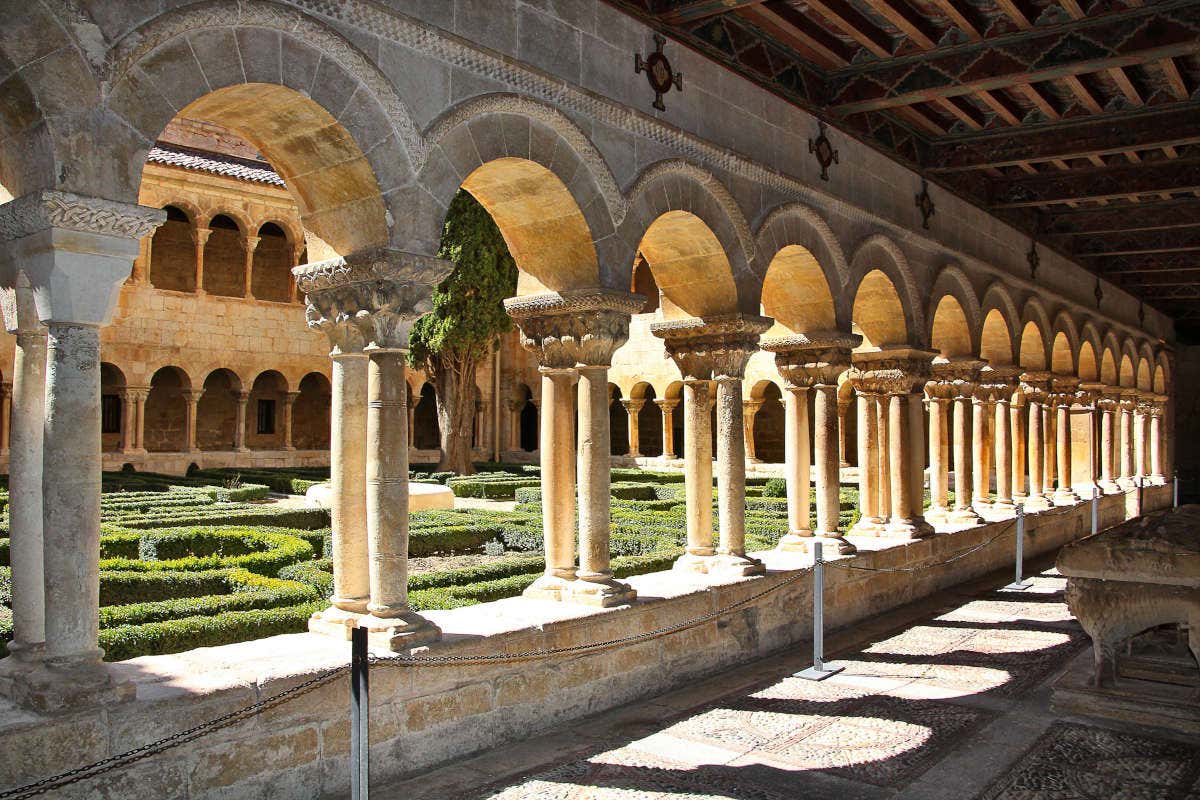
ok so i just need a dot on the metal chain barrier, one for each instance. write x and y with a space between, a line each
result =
232 718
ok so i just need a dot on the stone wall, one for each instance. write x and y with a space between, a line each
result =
421 717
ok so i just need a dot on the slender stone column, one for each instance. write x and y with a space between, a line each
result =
950 389
200 238
1108 405
843 408
1141 468
1020 487
241 398
1003 446
668 426
367 303
251 246
828 468
1085 449
716 348
25 476
964 506
632 408
1064 389
191 399
939 472
1156 443
1125 441
980 461
1034 386
139 400
289 401
906 520
127 413
998 383
869 521
796 467
883 449
6 392
749 414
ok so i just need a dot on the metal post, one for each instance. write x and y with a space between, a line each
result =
819 671
360 711
1175 491
1095 510
1020 584
1141 495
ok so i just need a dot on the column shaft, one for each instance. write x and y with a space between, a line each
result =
980 467
242 398
387 482
868 461
1016 438
289 400
191 400
939 473
1003 449
1125 444
557 446
1156 464
127 414
594 480
1106 445
1065 494
25 492
731 468
827 461
796 464
905 519
963 453
632 408
883 450
348 465
1036 450
668 429
140 426
6 391
698 467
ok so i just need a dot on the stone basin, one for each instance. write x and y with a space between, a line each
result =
421 496
1161 549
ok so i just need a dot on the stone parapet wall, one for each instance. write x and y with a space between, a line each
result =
425 716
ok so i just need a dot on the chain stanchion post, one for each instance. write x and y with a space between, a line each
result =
1095 510
1020 584
1141 495
360 712
819 671
1175 491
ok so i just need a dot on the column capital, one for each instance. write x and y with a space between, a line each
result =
891 371
714 348
953 377
290 397
1063 389
1035 385
200 235
997 383
812 359
252 244
667 404
240 395
634 404
1089 393
575 327
380 291
75 251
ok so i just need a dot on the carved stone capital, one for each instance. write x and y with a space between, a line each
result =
633 406
1036 386
900 370
811 359
49 209
997 384
953 377
1063 389
581 327
716 348
667 404
371 297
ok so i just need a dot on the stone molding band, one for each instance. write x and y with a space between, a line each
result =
50 209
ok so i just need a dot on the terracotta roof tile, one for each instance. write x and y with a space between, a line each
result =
216 163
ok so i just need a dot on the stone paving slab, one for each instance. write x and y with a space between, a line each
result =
945 699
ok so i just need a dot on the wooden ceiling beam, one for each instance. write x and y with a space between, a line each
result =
1115 40
811 41
1083 94
1159 215
958 19
1174 78
1014 12
1004 109
844 16
1096 183
906 21
959 110
702 9
1160 126
1134 243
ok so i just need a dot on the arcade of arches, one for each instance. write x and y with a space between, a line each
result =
688 296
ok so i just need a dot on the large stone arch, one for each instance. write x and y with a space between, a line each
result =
795 224
1064 345
952 282
1034 350
878 252
1162 373
689 198
547 187
1089 338
316 107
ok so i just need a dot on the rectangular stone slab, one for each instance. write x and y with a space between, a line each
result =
1163 549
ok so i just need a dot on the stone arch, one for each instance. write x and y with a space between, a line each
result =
427 432
1065 345
996 339
216 411
1125 374
165 427
277 77
1144 379
953 282
879 253
310 412
796 294
683 218
225 256
1108 367
112 400
1088 368
878 313
768 422
618 422
997 297
1162 372
527 420
173 250
264 414
950 330
272 266
795 224
1031 354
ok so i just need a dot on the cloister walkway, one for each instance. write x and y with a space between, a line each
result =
945 699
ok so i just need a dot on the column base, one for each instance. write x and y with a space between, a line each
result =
1002 509
964 516
916 528
795 541
549 587
937 515
403 632
1036 502
867 526
1064 497
1157 480
600 591
830 543
720 564
1109 487
1126 484
47 689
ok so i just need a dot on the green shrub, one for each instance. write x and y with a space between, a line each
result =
775 487
262 550
240 590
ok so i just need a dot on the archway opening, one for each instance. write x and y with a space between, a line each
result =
995 341
650 423
225 258
173 253
878 314
216 411
273 262
643 283
951 334
1061 362
427 433
112 407
796 295
1088 369
769 423
264 415
528 420
1033 348
166 411
618 423
310 413
689 266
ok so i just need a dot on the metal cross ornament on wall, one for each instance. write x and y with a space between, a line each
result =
658 71
824 150
1098 292
925 204
1034 260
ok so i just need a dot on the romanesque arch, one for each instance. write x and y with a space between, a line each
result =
217 411
166 410
878 313
953 295
113 385
310 413
800 282
996 339
272 264
173 251
879 254
225 256
264 416
795 224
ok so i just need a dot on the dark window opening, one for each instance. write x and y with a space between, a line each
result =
110 413
266 417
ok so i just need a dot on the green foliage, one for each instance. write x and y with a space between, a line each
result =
468 312
775 487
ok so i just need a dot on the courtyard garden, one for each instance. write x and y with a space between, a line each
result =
218 556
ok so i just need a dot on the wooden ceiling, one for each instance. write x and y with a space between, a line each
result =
1076 121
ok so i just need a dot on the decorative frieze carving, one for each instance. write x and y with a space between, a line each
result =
813 359
583 327
997 383
894 371
950 378
48 209
715 348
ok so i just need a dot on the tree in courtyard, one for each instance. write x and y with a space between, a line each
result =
467 318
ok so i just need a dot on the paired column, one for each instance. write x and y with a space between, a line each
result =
1085 445
1000 382
71 253
870 518
1156 413
982 411
749 415
951 390
574 337
668 425
632 408
367 303
964 482
812 364
241 398
1064 389
289 402
715 349
1109 407
1034 387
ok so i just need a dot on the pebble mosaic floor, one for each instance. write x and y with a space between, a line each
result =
948 699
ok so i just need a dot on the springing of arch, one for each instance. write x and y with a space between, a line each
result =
880 253
996 339
878 314
953 282
950 332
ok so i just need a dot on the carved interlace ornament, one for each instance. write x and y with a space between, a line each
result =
44 210
891 372
582 327
372 297
951 378
716 348
806 360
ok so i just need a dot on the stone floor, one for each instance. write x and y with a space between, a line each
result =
947 699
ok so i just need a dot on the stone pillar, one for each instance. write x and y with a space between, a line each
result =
572 334
127 417
6 390
410 404
1064 389
939 471
367 303
1108 405
883 471
1034 387
1020 486
828 480
906 518
289 400
74 252
139 426
200 238
1125 441
981 412
1085 449
869 520
632 408
241 398
749 414
999 383
843 408
796 467
1141 459
25 476
191 399
668 426
964 507
1156 441
714 349
251 246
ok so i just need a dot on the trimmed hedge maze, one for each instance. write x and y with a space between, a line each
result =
207 559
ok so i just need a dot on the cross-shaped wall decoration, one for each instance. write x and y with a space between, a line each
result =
824 150
1098 292
925 204
658 71
1034 260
